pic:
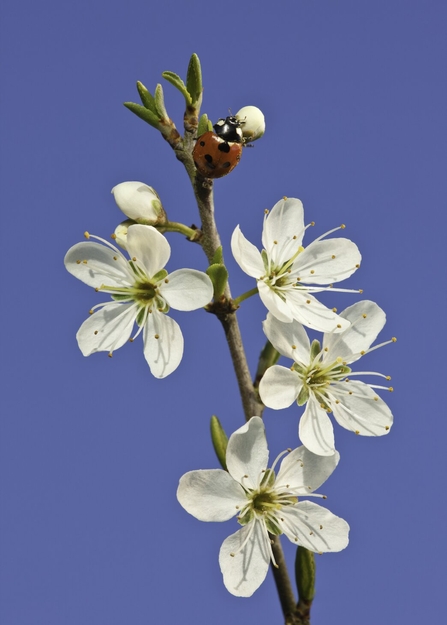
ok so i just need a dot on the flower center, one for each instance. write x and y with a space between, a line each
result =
317 376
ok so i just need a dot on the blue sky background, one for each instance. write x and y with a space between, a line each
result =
91 449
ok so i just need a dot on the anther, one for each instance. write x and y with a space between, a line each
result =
391 389
110 354
388 377
357 266
338 325
333 310
90 312
95 332
266 211
312 271
357 432
363 352
293 346
131 340
324 497
342 226
166 280
115 258
308 301
134 258
360 290
294 236
78 262
156 336
321 527
394 339
87 234
285 198
113 236
333 256
376 398
85 262
312 223
364 315
387 427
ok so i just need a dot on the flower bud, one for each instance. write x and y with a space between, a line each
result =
252 122
139 202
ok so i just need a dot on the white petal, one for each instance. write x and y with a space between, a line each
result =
187 289
359 335
312 313
163 354
283 230
244 572
315 429
247 453
98 265
278 307
363 412
289 339
247 256
149 247
135 200
315 528
210 495
324 262
107 329
279 387
302 472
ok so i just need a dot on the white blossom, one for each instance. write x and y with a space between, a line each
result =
321 378
287 273
142 291
264 503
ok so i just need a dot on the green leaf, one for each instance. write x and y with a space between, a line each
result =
146 97
143 113
305 574
194 79
218 256
178 83
204 125
220 440
159 102
219 277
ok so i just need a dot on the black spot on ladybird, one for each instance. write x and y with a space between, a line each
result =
223 147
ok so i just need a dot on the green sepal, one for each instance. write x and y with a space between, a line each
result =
268 479
265 260
303 396
204 125
315 349
305 574
247 518
218 256
178 83
146 97
219 277
219 440
272 527
159 101
143 113
194 79
140 317
161 275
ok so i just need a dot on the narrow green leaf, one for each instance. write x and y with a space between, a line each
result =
178 83
194 78
219 277
146 97
218 256
305 574
159 101
143 113
220 440
204 125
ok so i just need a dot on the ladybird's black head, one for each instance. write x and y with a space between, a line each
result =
229 129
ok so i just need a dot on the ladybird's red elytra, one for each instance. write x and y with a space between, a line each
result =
217 153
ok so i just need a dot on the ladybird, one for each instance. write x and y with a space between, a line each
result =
217 153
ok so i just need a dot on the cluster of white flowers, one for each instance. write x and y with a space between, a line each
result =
287 277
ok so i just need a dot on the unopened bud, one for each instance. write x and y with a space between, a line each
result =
139 202
252 122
